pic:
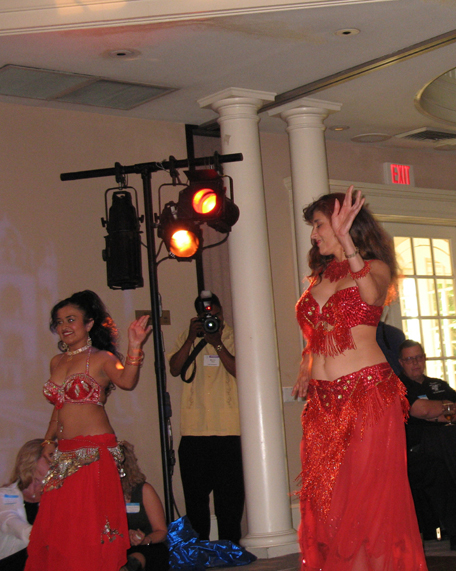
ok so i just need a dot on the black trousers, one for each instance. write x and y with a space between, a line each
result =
15 562
156 555
213 464
434 493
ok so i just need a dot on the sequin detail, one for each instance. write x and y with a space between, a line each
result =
328 331
362 273
65 464
333 409
108 533
336 271
79 388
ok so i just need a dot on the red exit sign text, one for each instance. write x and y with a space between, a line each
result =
398 174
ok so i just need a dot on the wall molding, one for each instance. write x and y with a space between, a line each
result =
25 16
405 204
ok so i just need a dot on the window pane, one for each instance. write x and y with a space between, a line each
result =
408 297
450 367
449 337
428 305
423 258
411 328
434 369
403 247
442 257
445 294
431 336
427 296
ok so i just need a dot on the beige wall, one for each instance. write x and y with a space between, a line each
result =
51 240
364 163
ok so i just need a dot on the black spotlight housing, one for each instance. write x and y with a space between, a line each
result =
123 243
205 200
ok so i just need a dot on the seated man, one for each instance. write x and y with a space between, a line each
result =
430 480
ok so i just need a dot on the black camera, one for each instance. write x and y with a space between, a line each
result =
211 324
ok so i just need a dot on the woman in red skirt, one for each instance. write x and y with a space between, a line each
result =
82 522
357 512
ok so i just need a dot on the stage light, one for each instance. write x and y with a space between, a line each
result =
123 243
202 201
182 238
205 200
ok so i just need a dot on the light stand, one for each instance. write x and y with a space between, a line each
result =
146 170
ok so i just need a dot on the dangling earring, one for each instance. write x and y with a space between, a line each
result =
62 346
89 341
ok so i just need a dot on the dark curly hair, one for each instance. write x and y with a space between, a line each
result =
104 331
367 234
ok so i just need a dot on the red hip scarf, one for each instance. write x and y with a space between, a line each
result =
81 522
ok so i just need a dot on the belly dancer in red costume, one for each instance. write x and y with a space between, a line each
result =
81 523
357 512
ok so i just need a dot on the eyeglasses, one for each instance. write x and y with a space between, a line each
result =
416 359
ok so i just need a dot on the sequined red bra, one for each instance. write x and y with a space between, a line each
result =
79 388
328 332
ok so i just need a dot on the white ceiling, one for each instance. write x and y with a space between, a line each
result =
200 47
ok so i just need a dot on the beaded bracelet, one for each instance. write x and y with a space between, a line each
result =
362 273
355 253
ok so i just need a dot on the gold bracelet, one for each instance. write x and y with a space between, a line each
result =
355 253
46 442
135 361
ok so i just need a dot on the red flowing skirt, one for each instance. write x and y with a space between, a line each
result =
357 512
82 525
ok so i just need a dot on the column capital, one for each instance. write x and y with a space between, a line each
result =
306 106
239 94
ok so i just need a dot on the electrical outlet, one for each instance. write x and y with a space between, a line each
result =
287 396
165 318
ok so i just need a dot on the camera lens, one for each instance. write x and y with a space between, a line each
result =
211 324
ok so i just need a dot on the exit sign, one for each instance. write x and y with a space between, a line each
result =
395 173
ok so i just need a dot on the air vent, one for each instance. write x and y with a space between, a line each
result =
49 85
427 134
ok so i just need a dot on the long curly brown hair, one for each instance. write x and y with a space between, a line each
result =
367 234
133 475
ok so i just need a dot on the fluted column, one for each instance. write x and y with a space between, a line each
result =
270 531
309 171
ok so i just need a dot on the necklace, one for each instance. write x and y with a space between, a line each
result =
336 270
76 351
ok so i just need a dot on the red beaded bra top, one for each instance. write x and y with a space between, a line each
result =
78 388
327 331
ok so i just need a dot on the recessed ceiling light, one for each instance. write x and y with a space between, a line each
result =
339 128
126 54
347 32
371 138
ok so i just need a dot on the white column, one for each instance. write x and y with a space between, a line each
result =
270 530
309 172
